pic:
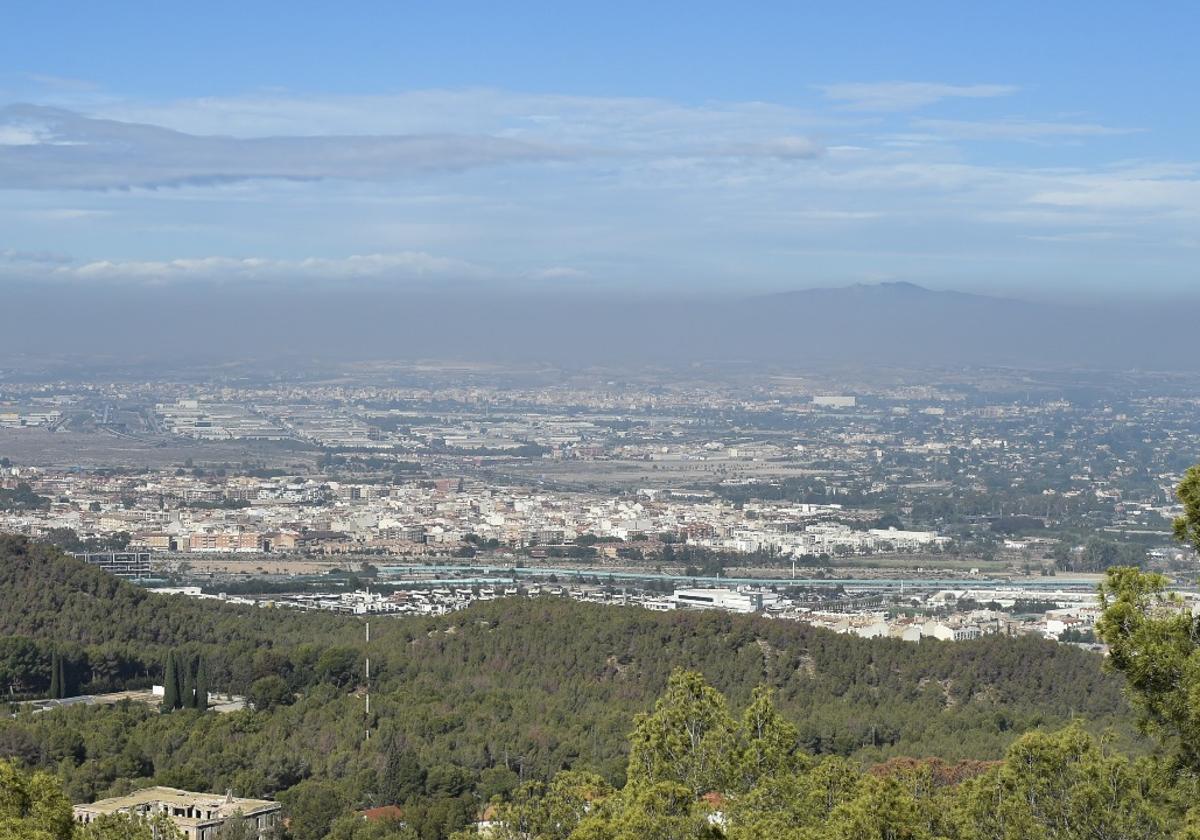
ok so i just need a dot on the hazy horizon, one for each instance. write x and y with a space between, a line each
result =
864 325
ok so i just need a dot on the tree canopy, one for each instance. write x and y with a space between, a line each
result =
1064 785
568 721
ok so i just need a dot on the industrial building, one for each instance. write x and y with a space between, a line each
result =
729 600
122 564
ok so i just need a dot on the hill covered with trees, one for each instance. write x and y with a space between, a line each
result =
473 705
696 771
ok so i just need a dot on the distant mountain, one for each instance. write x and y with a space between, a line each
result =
891 294
893 323
897 289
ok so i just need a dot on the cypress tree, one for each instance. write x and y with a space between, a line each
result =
55 675
187 693
202 685
402 777
64 688
180 679
171 684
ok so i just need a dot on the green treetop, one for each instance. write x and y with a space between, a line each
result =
33 806
187 686
1187 527
171 685
1154 642
203 686
688 738
55 675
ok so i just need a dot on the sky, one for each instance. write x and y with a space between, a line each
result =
1037 150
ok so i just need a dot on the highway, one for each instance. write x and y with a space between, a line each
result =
501 574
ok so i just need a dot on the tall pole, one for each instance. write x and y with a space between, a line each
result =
368 672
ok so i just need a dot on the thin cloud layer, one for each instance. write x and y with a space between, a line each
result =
45 148
1014 129
783 148
11 256
619 192
50 148
411 266
412 270
623 124
906 96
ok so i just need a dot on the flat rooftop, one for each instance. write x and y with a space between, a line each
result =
180 804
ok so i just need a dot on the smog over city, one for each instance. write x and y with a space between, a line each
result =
599 422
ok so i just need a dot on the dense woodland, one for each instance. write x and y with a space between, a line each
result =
496 702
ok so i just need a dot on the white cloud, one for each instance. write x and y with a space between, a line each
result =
1129 189
906 96
59 149
20 135
627 125
838 215
1074 237
13 256
211 141
1014 129
62 82
408 266
783 148
560 272
66 214
634 189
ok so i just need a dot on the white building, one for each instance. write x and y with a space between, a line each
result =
729 600
200 816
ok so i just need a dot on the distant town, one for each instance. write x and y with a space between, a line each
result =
910 509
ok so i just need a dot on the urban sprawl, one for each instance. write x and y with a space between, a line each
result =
937 509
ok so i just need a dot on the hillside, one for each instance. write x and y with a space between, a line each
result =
608 654
520 686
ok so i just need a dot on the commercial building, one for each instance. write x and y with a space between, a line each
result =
729 600
122 564
835 401
198 815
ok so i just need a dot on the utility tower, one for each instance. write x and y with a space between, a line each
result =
367 651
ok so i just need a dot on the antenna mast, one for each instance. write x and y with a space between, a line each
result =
367 651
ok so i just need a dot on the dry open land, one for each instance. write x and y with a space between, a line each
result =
42 448
641 473
253 565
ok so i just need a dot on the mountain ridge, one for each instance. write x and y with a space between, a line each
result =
896 322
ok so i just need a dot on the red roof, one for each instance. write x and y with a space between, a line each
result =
383 812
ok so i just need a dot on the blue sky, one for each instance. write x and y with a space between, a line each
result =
1031 149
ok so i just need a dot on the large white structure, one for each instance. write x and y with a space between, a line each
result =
729 600
123 564
198 815
834 401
